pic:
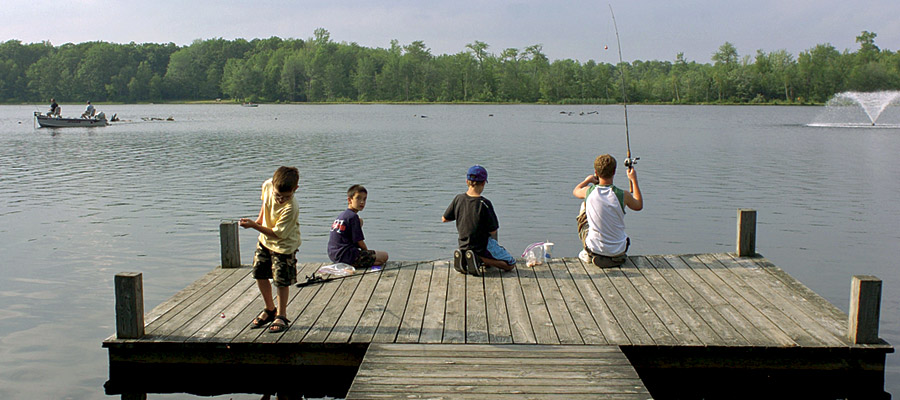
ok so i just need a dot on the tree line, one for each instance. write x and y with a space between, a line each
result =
320 70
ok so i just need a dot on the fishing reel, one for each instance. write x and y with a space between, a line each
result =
629 162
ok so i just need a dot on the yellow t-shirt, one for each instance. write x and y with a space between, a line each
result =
283 219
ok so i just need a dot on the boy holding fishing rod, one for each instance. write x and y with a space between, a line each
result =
276 252
601 222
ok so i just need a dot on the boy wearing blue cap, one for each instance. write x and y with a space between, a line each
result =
477 225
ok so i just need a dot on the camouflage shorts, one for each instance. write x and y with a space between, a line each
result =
268 264
365 259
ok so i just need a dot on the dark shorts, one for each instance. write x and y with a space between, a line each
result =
281 268
365 259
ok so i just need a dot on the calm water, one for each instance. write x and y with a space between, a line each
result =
78 206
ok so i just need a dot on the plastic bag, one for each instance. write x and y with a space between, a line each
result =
339 269
536 253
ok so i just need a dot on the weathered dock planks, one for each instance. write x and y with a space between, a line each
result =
471 371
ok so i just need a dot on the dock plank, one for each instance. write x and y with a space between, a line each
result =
559 311
455 311
541 322
389 325
499 330
476 311
436 304
371 316
413 318
520 324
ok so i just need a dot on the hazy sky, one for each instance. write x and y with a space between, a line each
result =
577 29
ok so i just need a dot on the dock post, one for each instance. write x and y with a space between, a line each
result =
231 249
129 305
746 235
865 309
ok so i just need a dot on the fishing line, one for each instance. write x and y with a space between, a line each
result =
629 162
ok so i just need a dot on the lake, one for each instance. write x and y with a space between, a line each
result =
79 205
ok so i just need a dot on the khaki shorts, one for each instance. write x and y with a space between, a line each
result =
281 268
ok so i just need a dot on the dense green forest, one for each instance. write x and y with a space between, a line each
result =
321 70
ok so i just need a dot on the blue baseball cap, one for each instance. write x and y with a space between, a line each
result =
477 173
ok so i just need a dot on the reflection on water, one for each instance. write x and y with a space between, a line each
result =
79 205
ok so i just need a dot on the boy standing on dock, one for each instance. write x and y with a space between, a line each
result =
276 252
346 242
601 223
477 226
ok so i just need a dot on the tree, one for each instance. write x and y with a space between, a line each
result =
725 64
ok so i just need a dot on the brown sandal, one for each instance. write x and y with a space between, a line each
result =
279 325
259 321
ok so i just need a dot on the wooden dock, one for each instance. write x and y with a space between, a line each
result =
497 372
665 312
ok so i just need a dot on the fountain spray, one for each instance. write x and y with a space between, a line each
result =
629 162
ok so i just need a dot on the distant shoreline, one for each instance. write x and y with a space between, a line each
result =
229 102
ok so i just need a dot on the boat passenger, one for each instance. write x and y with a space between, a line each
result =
88 111
54 109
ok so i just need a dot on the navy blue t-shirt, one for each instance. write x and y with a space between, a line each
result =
346 232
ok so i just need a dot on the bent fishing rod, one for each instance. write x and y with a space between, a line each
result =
629 162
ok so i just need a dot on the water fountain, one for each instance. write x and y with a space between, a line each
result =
843 110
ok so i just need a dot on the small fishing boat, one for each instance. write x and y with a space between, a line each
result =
250 105
53 122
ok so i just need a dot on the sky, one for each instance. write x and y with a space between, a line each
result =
566 29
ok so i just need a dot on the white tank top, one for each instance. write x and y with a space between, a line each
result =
606 221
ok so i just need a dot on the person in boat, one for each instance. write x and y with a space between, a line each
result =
54 109
276 252
346 242
88 111
601 222
476 224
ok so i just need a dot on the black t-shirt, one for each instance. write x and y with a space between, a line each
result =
475 220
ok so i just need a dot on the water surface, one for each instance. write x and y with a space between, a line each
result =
79 205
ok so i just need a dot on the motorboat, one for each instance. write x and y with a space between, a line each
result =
46 121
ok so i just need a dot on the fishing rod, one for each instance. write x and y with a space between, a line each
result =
629 162
314 279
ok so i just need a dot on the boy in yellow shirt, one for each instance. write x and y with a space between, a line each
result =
276 252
